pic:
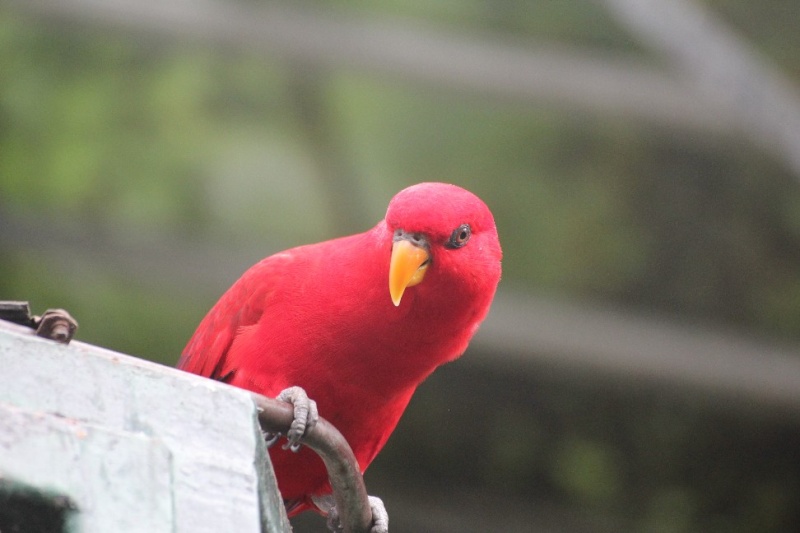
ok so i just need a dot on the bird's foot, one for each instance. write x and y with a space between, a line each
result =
270 438
380 518
305 418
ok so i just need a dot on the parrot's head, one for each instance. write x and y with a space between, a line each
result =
444 240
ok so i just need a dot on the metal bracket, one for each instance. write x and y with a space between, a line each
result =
55 324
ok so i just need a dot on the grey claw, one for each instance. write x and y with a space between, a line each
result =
290 446
305 415
380 518
270 438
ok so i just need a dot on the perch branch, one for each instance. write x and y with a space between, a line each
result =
345 477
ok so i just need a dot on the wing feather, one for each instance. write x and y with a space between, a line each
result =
242 305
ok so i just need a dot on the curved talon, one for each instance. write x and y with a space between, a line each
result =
270 438
305 415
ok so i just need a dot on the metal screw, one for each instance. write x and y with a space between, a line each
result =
57 325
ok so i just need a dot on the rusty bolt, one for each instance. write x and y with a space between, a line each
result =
57 325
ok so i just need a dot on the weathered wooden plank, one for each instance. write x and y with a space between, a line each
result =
180 453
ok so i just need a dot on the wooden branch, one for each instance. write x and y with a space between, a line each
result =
344 474
730 88
722 65
496 67
716 365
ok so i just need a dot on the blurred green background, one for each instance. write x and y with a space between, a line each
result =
144 165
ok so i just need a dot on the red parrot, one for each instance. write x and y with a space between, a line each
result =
358 322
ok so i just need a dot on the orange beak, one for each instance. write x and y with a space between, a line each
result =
407 268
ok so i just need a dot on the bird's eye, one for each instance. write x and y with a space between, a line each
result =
460 236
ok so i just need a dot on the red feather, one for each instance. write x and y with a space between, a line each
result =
321 317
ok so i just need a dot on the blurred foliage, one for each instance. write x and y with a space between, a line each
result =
147 141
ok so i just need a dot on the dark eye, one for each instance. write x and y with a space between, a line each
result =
460 236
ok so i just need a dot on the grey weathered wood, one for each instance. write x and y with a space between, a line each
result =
137 446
